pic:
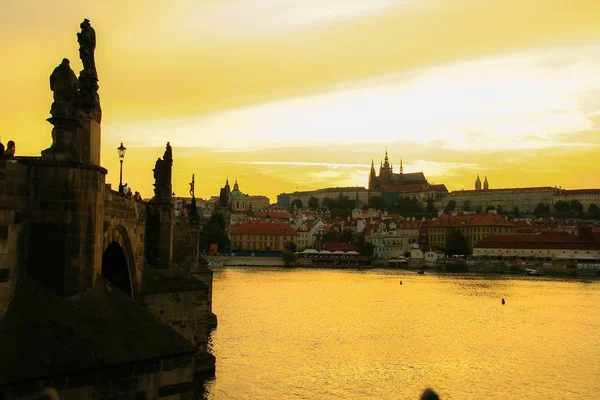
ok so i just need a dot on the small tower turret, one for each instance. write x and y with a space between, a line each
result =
372 176
401 169
486 185
478 183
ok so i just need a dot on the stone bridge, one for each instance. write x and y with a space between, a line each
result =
87 226
100 297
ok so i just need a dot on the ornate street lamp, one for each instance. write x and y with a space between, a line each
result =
121 150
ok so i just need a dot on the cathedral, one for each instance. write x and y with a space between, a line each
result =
387 180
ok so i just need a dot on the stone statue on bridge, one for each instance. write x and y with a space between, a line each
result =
162 176
88 100
87 46
192 210
65 87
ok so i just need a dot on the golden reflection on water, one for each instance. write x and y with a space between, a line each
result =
333 334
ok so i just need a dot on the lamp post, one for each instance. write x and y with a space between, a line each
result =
121 150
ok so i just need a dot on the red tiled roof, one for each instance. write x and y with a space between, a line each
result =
262 228
272 214
405 224
339 246
545 240
438 187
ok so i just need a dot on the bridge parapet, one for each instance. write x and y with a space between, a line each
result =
14 204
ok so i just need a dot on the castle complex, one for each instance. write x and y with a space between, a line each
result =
388 181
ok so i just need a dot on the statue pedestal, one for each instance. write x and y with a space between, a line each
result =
64 137
88 140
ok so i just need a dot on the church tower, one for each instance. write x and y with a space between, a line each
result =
401 169
372 176
478 183
486 185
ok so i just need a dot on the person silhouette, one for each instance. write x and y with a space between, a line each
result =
429 394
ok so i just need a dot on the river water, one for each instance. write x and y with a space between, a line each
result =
337 334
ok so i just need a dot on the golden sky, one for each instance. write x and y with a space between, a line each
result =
286 94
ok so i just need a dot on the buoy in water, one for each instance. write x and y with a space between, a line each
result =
503 301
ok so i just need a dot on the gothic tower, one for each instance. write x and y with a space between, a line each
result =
372 176
478 183
486 185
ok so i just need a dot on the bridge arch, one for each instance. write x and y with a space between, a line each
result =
118 261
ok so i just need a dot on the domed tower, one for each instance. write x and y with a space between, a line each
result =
478 183
486 185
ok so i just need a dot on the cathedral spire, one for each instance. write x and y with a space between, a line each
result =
486 185
386 162
401 169
478 183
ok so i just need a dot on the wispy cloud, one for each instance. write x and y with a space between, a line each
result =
512 101
227 18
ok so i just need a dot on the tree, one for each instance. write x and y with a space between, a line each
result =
594 210
313 203
451 206
456 243
331 236
516 212
430 207
329 203
291 246
479 209
467 205
347 236
297 203
499 209
562 206
576 206
377 202
542 210
214 232
289 258
488 208
367 249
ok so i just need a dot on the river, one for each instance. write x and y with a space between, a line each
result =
339 334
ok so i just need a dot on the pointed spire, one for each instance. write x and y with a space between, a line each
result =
401 169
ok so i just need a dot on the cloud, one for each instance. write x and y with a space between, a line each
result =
511 101
227 18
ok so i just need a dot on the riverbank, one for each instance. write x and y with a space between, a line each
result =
454 268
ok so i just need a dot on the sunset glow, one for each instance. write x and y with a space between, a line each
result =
288 95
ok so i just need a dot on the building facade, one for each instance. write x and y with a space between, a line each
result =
582 246
586 197
359 194
525 199
237 201
475 227
262 236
